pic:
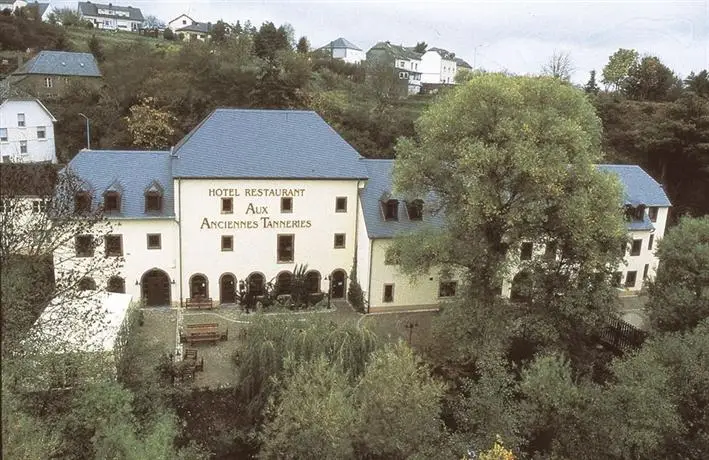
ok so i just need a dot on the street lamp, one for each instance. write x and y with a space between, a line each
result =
410 325
88 131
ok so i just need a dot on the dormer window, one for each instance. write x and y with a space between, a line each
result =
391 209
652 213
415 209
153 198
82 202
635 213
112 202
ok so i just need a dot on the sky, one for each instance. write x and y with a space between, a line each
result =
516 36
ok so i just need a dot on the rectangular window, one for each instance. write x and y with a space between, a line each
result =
341 204
550 250
526 251
286 204
23 146
82 202
650 241
388 293
630 279
154 241
39 206
112 202
447 288
637 247
227 205
227 243
84 245
48 82
21 120
41 132
153 201
339 240
114 245
286 248
652 213
645 270
3 134
415 209
391 210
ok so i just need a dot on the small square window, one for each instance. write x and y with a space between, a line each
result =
23 146
6 158
550 250
652 213
227 243
447 288
154 241
286 204
48 82
339 240
637 247
286 248
112 202
388 293
650 241
630 279
114 245
84 245
153 202
617 278
21 120
3 134
39 206
341 204
41 132
227 205
526 251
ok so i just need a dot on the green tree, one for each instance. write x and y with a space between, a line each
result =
168 34
679 296
617 70
399 407
68 17
219 32
651 80
314 415
698 83
591 87
559 65
269 41
151 127
303 46
420 47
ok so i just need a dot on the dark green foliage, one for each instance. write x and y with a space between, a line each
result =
269 41
591 87
168 34
698 83
96 48
21 34
219 32
651 80
354 291
303 46
421 47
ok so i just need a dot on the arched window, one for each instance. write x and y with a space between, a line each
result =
283 283
256 283
116 284
87 284
112 201
312 282
199 286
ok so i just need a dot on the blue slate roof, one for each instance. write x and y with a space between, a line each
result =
91 9
379 185
61 63
284 144
342 43
645 224
639 186
129 172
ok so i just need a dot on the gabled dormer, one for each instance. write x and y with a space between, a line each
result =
154 197
390 207
414 209
113 198
82 201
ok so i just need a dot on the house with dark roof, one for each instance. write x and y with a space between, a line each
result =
112 17
26 132
438 66
32 10
404 62
195 31
51 73
345 50
248 195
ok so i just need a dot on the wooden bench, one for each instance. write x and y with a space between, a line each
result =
199 303
206 332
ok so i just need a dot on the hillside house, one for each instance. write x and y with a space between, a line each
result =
404 62
26 132
50 73
112 17
438 66
345 50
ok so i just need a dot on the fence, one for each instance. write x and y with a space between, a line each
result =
620 335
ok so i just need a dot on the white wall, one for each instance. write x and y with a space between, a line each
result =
448 71
647 256
35 116
255 248
179 22
431 67
114 23
422 292
363 252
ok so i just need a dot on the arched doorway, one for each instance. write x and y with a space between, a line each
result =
283 283
521 287
312 282
337 284
155 288
116 284
227 288
199 286
255 283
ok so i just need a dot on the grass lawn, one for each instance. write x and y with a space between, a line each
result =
79 38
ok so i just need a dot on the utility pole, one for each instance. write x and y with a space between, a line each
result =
88 131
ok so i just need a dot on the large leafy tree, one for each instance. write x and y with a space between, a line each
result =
651 80
617 70
679 296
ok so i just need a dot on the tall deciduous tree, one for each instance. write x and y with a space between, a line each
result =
698 83
151 127
560 65
679 296
619 64
651 80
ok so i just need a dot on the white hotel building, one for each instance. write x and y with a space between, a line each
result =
248 194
